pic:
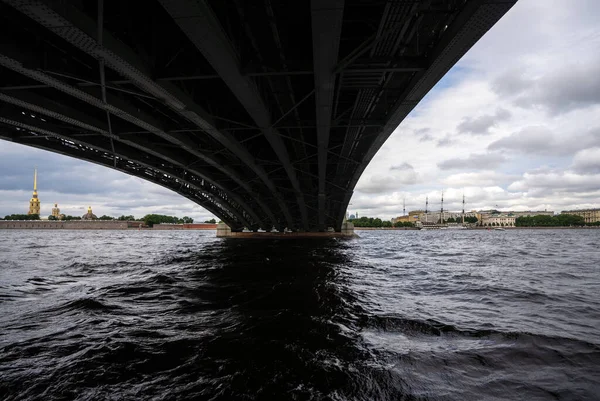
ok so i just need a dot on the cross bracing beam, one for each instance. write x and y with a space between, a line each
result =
202 27
76 28
326 32
95 152
66 115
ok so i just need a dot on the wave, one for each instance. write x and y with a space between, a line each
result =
83 304
432 327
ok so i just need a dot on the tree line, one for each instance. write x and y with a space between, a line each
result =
149 219
152 219
560 220
378 223
22 217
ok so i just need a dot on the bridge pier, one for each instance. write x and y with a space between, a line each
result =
347 231
223 230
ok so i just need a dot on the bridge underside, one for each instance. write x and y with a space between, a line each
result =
264 113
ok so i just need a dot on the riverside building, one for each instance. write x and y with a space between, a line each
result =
589 215
498 220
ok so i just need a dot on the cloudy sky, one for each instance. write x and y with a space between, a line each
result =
514 125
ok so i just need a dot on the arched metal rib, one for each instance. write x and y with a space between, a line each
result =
473 21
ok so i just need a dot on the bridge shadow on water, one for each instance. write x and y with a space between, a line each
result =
221 320
277 321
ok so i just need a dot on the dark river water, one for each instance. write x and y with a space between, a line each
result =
401 315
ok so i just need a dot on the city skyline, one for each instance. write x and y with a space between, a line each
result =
513 126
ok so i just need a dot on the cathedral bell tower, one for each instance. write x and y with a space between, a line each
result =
34 203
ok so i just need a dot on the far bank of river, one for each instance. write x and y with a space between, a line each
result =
481 228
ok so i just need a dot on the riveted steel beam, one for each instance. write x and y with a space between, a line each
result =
197 20
327 16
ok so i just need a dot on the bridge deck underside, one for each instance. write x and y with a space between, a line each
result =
265 113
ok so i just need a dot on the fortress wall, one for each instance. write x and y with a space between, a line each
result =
168 227
192 226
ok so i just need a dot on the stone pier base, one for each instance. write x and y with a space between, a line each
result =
223 231
348 229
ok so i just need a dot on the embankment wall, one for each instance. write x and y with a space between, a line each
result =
63 225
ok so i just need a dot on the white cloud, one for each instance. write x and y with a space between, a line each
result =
587 161
398 176
473 161
547 183
484 178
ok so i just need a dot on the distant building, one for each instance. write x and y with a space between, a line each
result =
529 213
589 215
56 211
34 202
89 215
352 217
411 217
499 220
402 219
484 215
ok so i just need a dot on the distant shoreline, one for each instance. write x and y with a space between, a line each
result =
479 228
538 228
130 225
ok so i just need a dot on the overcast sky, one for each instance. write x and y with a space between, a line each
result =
514 125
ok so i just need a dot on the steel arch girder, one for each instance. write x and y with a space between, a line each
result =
79 30
472 22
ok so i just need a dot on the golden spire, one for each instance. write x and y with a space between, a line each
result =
35 180
34 202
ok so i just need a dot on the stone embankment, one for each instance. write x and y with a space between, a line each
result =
68 225
192 226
